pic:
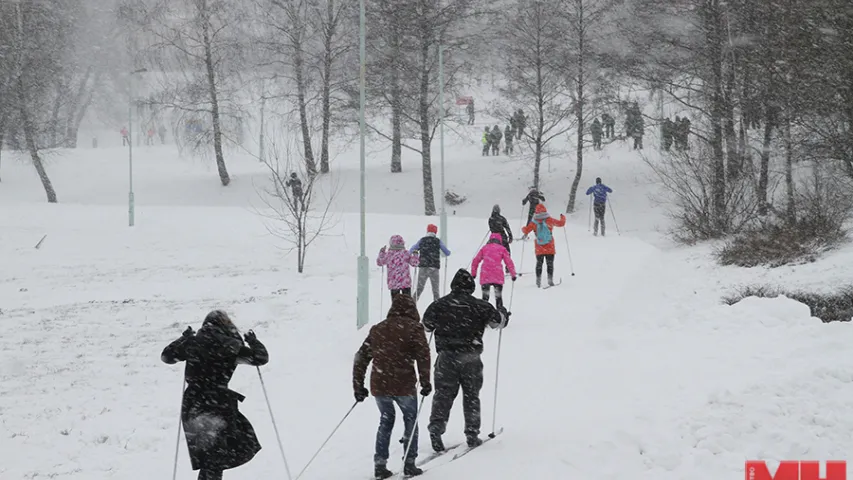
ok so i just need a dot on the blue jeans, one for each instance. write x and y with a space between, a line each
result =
387 416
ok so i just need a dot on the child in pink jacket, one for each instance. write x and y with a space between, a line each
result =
492 255
398 260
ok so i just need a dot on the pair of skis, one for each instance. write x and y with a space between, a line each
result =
461 450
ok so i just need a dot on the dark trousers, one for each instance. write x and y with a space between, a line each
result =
544 258
387 417
608 131
596 142
452 371
397 291
638 143
204 474
530 213
486 148
598 209
499 291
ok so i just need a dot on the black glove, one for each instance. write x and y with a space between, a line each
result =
361 394
426 389
250 337
513 279
189 332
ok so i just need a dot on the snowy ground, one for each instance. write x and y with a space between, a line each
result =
630 369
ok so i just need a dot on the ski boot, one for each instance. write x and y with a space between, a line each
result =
412 470
550 280
538 282
437 444
380 472
474 441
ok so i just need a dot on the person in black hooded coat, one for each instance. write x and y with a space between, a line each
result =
459 320
218 436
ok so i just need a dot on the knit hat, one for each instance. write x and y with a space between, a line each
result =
540 208
397 243
597 180
432 228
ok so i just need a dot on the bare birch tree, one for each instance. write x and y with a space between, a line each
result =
199 47
297 216
536 75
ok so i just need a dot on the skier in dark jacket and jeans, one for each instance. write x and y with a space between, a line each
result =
458 321
218 436
430 248
394 345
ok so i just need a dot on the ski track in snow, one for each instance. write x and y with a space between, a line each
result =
631 369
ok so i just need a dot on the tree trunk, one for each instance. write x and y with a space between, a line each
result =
396 106
425 124
79 106
214 103
735 162
714 44
329 35
764 170
540 111
54 114
579 109
30 138
299 67
790 210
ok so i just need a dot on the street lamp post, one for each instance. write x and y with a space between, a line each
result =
363 311
443 213
130 201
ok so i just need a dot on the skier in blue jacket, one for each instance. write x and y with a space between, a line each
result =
599 193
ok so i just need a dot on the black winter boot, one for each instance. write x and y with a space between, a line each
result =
474 441
380 472
411 470
550 280
437 444
538 282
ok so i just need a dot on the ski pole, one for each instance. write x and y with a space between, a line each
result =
327 441
478 248
521 263
417 420
274 426
178 440
589 217
569 250
614 218
381 296
444 284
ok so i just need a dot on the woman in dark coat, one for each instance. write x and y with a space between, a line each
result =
218 436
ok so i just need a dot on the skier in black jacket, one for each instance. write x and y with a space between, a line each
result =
430 248
458 321
498 224
218 436
534 197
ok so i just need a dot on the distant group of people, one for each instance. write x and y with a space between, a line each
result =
149 135
676 133
492 137
605 127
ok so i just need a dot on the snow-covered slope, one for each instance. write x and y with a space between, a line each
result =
630 369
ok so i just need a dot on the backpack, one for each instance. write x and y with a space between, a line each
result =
543 233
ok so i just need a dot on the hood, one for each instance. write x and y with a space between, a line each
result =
496 210
463 282
495 238
540 208
397 242
220 331
404 306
